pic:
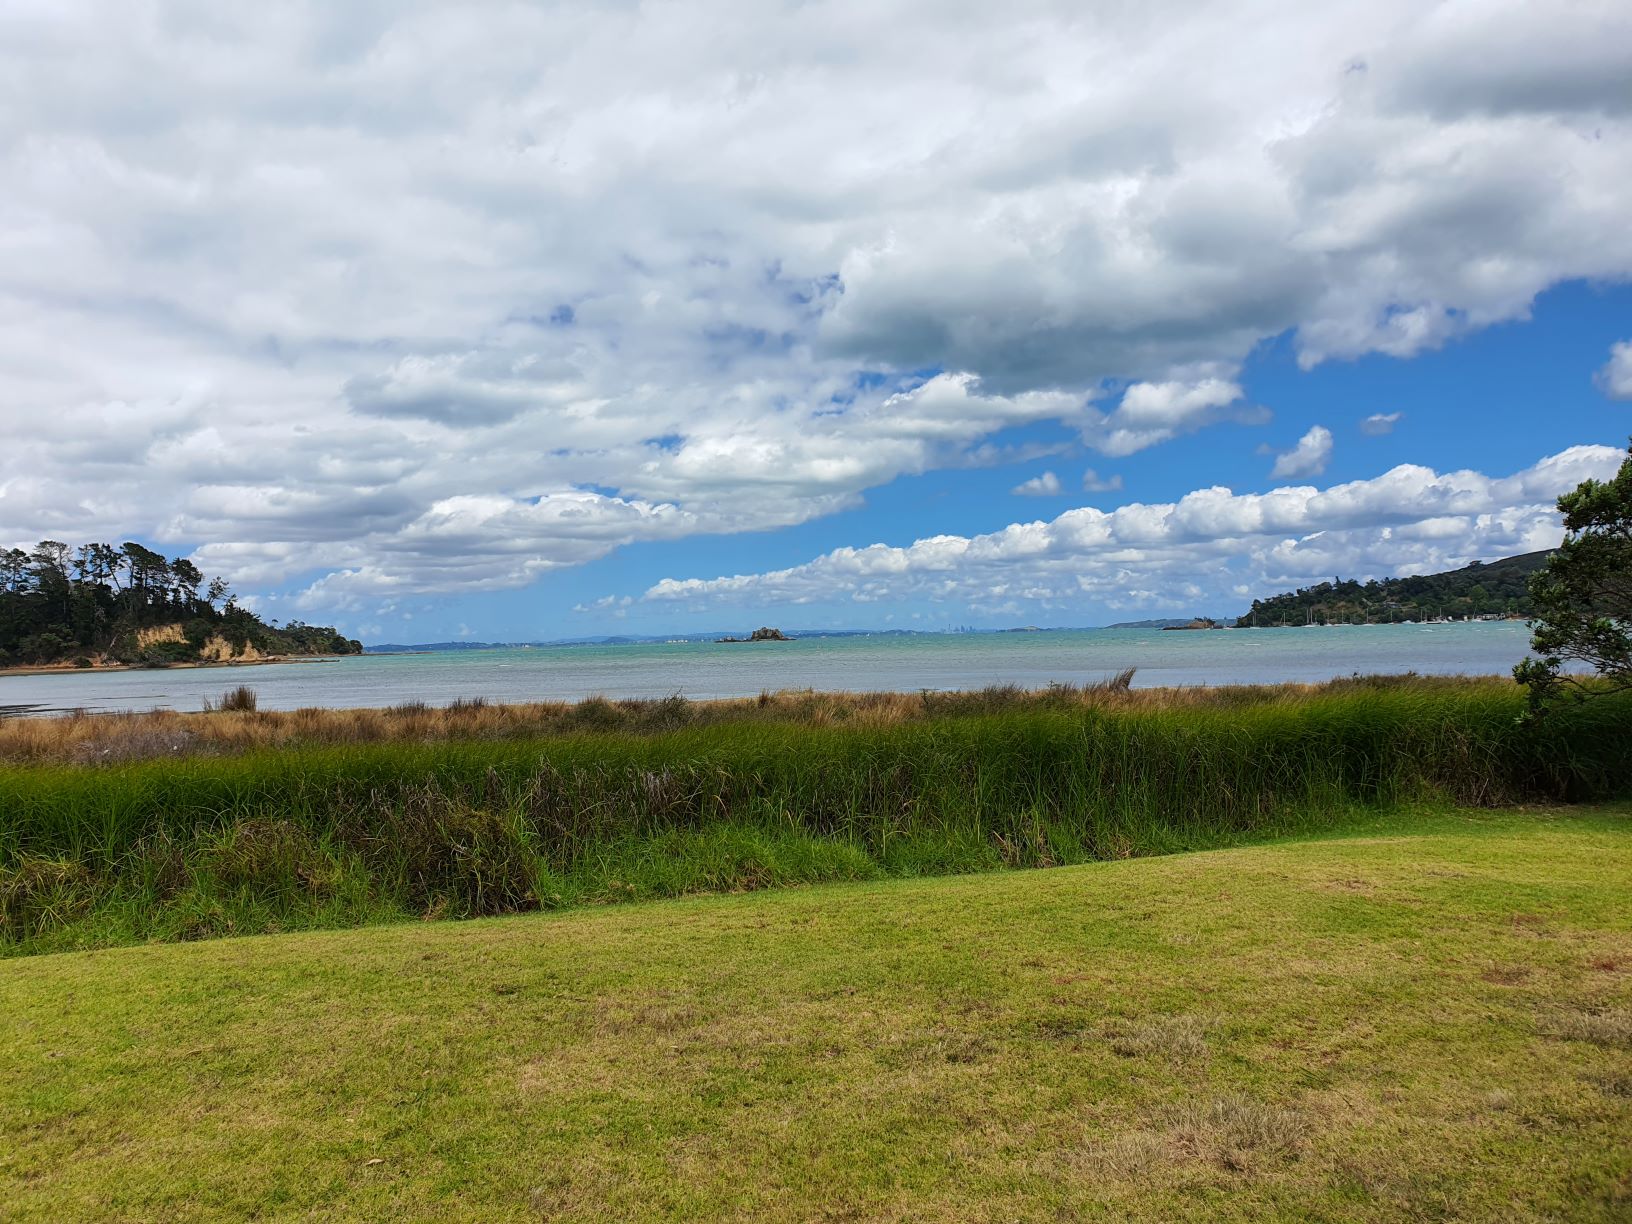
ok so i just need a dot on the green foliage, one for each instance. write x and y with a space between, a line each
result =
58 603
465 828
1497 589
1584 597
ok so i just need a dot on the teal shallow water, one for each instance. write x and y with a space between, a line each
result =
883 663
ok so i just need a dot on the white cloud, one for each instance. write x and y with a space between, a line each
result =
1380 423
1308 458
1046 485
1410 519
1152 413
408 298
1093 482
1615 378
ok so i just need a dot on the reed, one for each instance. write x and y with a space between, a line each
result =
235 725
623 801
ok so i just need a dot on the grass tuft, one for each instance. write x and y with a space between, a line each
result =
37 894
1236 1131
240 700
1607 1027
1174 1038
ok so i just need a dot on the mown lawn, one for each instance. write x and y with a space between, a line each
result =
1423 1024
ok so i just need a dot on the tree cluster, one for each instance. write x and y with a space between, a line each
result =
1582 628
60 603
1498 589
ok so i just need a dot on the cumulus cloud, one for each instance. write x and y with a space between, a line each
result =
1046 485
1093 482
1152 413
1615 378
1307 458
1380 423
410 298
1410 519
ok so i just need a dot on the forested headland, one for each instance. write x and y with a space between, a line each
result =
1498 589
106 605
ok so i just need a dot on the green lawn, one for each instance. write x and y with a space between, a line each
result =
1426 1024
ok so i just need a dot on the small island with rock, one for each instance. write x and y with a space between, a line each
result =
762 634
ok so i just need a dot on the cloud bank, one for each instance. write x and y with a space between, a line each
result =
1212 541
407 299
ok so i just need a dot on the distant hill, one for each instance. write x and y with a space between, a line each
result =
428 647
1160 622
1497 589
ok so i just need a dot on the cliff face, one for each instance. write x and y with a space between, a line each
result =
156 635
217 649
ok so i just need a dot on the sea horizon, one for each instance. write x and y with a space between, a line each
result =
902 661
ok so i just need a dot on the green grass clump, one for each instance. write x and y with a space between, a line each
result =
1427 1024
336 834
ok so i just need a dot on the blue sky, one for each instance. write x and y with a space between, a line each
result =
1494 401
523 321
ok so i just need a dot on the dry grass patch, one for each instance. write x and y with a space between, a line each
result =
1236 1132
1611 1026
1135 1156
1174 1038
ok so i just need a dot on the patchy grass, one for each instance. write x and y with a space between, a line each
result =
1301 1031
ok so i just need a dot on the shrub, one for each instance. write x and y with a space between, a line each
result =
167 654
447 858
270 857
37 894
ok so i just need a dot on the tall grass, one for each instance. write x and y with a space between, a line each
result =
327 833
233 728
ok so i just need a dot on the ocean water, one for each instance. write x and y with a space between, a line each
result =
880 663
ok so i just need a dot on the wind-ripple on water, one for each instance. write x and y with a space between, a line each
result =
875 663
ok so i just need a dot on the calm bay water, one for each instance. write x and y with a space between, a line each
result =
703 670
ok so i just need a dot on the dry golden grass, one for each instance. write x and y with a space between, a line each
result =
112 738
1610 1027
1173 1038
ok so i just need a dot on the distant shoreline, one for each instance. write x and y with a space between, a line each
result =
71 669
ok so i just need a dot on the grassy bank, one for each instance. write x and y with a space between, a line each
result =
323 834
1428 1022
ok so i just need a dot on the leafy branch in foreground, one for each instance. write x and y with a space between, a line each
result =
1584 597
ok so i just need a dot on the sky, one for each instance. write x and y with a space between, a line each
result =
519 321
